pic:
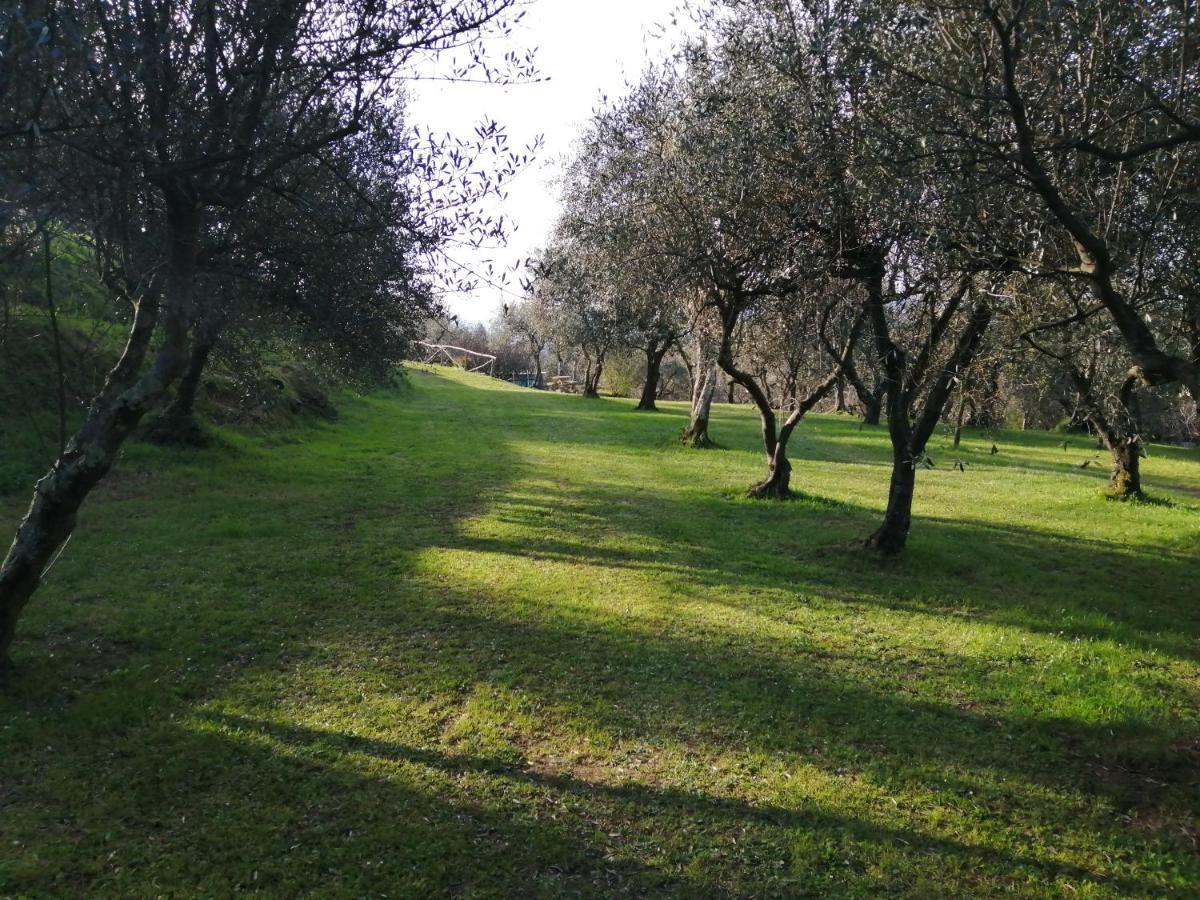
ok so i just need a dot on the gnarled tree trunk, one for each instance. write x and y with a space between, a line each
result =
127 395
1125 447
591 381
777 483
1125 482
1152 365
871 401
872 405
1124 444
840 396
892 534
184 402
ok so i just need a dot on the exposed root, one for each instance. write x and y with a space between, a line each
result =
771 488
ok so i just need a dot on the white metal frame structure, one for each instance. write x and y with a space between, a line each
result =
487 366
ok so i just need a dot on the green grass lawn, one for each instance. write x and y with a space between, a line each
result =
474 640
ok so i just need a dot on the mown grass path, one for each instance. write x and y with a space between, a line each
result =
479 641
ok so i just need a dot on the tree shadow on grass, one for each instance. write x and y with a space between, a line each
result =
855 711
303 811
654 807
1079 587
1115 784
287 518
837 439
225 813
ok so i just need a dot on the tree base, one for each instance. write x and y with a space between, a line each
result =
176 431
770 489
887 541
1125 495
696 439
1125 482
777 484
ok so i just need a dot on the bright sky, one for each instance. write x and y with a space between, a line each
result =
587 49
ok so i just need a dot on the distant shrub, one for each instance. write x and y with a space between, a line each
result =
623 374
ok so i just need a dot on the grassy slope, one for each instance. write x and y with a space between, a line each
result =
28 394
482 641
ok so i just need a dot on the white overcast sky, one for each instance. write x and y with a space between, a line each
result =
586 48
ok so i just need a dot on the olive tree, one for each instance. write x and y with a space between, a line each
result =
886 217
1090 112
175 111
579 305
716 185
606 197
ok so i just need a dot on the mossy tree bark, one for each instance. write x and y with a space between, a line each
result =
1125 482
1118 435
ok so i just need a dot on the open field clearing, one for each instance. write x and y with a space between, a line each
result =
475 640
